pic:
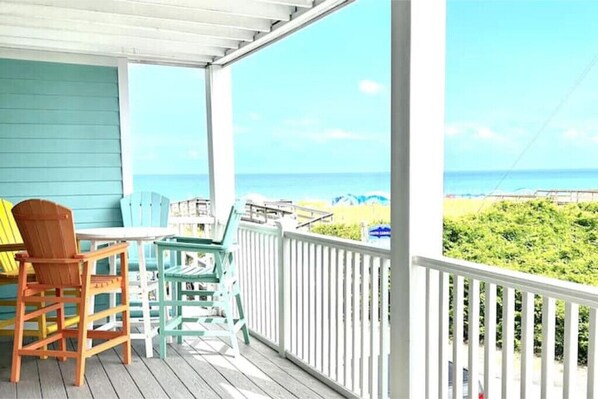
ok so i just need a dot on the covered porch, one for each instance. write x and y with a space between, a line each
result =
314 303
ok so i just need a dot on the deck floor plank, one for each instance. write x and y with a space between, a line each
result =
117 372
50 377
259 378
167 379
190 377
67 369
217 382
293 370
143 378
247 387
7 388
200 367
97 379
29 383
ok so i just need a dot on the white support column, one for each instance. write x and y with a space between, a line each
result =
417 156
126 150
220 142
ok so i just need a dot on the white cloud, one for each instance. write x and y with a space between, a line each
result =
572 134
339 134
485 133
370 87
254 116
469 131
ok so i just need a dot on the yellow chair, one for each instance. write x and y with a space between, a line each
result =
11 243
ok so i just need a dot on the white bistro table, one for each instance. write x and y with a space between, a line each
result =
143 287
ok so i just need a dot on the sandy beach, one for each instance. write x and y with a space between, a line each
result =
373 213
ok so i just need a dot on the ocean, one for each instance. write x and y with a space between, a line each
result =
327 186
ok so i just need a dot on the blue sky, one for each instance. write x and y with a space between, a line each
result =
319 101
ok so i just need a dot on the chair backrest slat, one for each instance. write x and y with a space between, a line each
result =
145 209
234 218
9 234
48 231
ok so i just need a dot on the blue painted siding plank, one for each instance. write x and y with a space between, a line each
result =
17 86
64 146
65 117
57 102
24 160
38 190
59 174
89 202
45 131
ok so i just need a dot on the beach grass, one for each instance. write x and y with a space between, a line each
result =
375 213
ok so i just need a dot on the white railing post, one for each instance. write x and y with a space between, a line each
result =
284 285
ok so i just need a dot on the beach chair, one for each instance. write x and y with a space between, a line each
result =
144 209
48 232
222 278
10 244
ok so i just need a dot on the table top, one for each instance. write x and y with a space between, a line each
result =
125 233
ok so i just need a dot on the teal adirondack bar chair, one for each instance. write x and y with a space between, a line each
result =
144 209
222 277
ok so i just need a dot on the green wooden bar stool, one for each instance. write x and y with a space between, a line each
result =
222 277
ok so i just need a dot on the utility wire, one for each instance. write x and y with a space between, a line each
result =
580 78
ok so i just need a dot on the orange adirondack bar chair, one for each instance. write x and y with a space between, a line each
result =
10 243
48 232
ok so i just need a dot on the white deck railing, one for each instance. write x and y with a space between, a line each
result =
321 302
521 296
324 303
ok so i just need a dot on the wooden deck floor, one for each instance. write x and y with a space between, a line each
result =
196 369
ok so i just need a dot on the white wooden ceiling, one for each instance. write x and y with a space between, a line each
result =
175 32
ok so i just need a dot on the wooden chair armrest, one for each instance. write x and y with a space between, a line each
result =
12 247
103 252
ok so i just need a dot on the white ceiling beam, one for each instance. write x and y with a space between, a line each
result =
299 19
127 32
155 11
104 50
246 8
11 9
134 44
292 3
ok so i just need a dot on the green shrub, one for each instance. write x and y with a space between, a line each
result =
536 237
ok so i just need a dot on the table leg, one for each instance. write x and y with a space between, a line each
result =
145 308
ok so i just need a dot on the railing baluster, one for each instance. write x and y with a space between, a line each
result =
458 337
347 317
374 326
311 301
548 325
570 353
300 307
490 340
383 373
325 321
474 337
340 276
355 328
508 337
432 358
364 299
443 336
318 327
593 355
527 344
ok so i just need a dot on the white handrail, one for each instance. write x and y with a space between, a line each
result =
555 288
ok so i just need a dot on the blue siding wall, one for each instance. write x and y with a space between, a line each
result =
60 138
